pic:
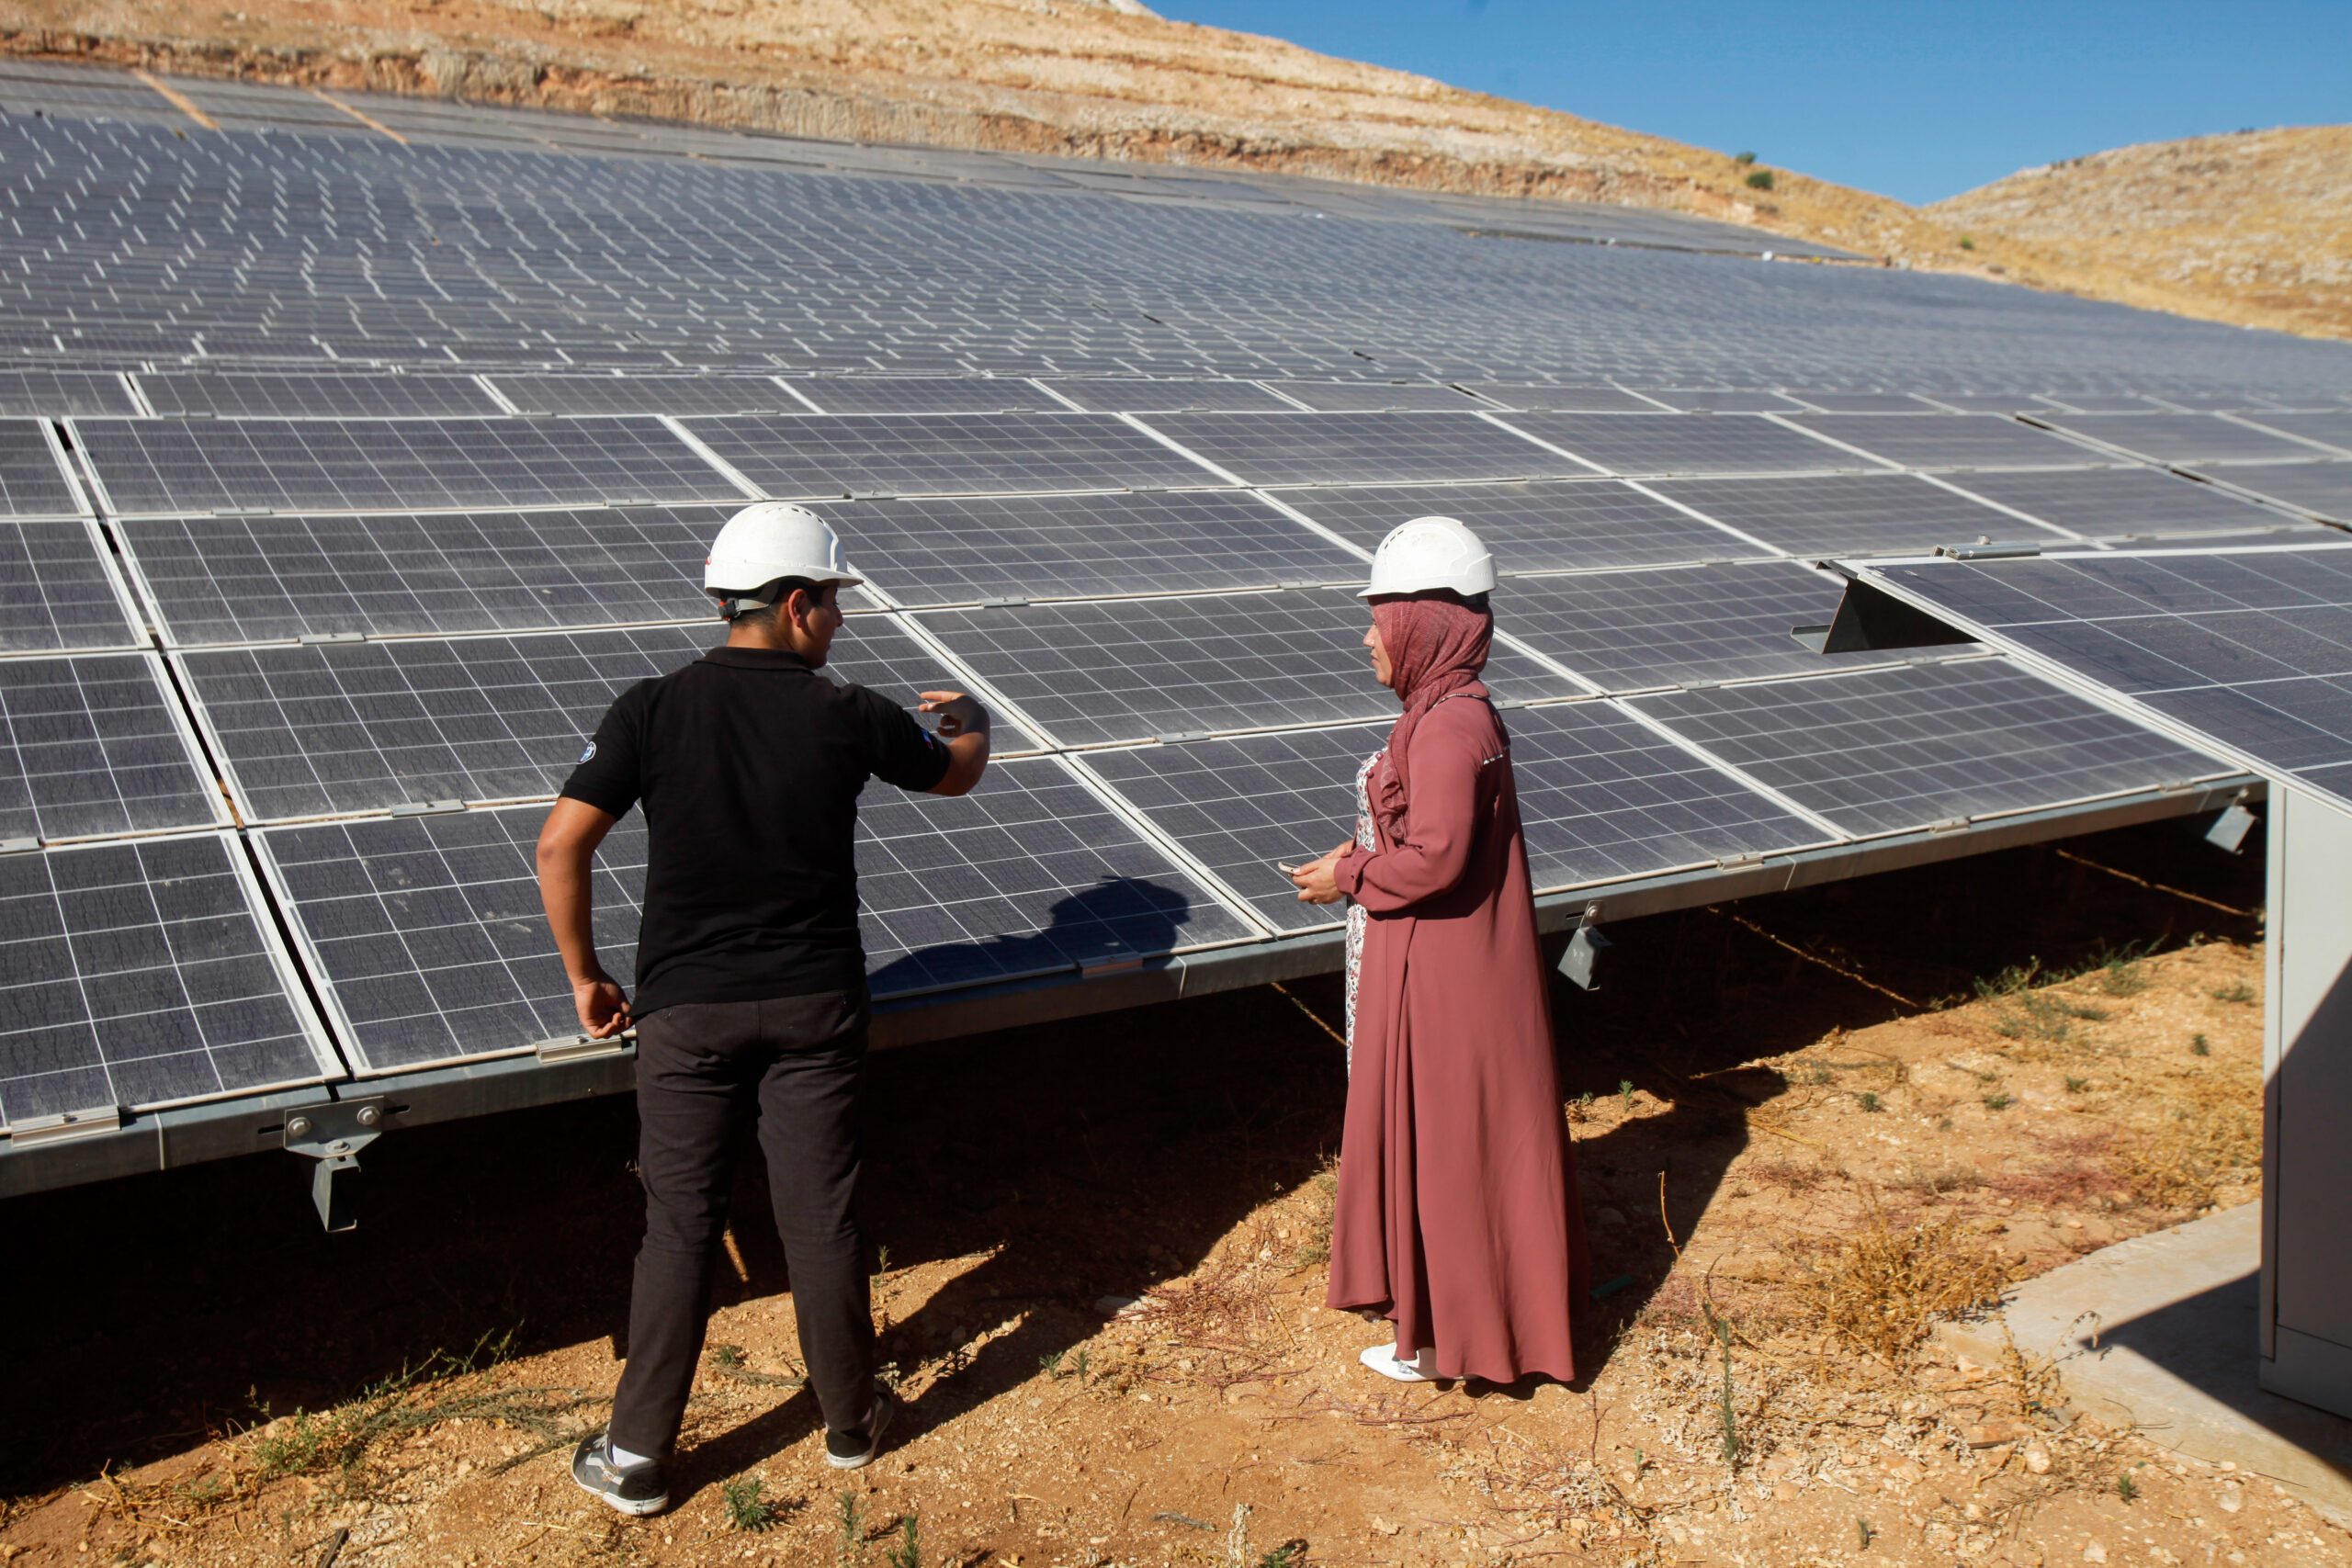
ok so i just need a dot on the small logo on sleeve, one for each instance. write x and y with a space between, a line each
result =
590 754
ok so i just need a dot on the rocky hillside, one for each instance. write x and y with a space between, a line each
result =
2261 217
1102 78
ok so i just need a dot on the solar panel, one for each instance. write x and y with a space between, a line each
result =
1987 402
1131 670
1601 795
1639 445
1537 398
821 455
1628 630
61 394
2329 427
150 467
2111 403
1113 396
1848 514
1547 525
426 935
218 580
1360 448
258 395
1865 403
58 591
309 729
140 974
2108 502
1354 397
1977 441
2252 648
428 941
32 473
95 744
951 550
2323 489
680 394
924 394
1723 399
2183 438
1895 751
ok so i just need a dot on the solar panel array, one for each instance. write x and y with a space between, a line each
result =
2249 649
345 480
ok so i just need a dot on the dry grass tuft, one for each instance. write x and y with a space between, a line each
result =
1881 1289
2208 1135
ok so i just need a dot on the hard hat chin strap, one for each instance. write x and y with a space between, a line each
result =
735 606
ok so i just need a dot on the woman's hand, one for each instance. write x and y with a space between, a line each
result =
1316 881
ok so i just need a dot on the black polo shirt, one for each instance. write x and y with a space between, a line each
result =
748 764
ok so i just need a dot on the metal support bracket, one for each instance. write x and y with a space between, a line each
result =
333 1133
2229 829
1585 944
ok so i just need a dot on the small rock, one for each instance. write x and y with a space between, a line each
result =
2037 1460
2094 1551
1993 1433
2232 1499
1381 1526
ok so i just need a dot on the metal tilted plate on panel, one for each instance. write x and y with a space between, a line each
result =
142 973
960 549
1133 669
2323 489
1360 448
618 395
1627 630
2183 438
2111 502
821 455
1971 441
2252 648
324 395
312 730
1543 526
1901 750
1646 445
57 592
165 465
95 744
31 482
224 579
61 394
923 394
1106 395
1850 513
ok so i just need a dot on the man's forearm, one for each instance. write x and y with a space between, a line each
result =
564 889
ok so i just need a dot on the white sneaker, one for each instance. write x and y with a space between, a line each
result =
1382 1359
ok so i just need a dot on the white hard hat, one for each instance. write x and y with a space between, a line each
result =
1430 553
769 540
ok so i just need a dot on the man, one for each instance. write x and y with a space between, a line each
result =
751 981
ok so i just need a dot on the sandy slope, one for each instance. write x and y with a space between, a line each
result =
1046 75
2262 217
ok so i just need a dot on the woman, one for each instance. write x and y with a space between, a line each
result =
1457 1216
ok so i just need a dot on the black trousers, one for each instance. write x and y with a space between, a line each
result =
800 1061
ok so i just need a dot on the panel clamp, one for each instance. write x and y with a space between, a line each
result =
1180 737
1949 825
1987 552
583 1047
317 639
427 807
19 846
1004 601
64 1127
332 1133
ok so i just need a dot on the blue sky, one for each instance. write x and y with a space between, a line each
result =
1915 99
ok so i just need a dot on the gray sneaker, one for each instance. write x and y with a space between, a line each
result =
636 1489
855 1450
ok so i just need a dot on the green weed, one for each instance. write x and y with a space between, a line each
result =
746 1509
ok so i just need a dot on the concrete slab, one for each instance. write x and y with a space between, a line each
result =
2161 1332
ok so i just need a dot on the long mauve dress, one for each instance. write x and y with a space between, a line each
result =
1457 1212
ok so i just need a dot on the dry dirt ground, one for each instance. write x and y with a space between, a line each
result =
1095 80
1805 1126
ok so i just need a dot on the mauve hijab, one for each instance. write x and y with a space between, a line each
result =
1436 645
